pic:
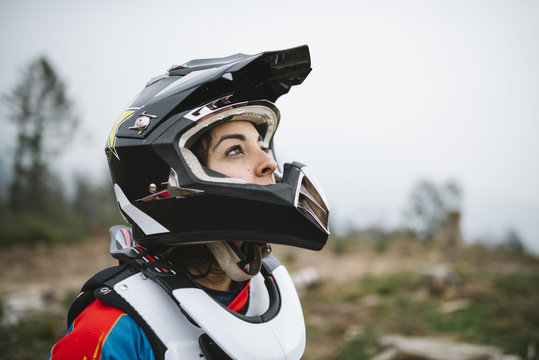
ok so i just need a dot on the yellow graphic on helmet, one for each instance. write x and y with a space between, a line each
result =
112 135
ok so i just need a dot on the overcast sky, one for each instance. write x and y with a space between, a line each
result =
400 90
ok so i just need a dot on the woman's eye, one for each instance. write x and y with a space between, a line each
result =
234 150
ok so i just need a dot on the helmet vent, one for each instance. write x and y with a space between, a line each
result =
313 202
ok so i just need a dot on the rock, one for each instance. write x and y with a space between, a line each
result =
388 354
454 305
305 278
24 305
443 280
370 300
423 348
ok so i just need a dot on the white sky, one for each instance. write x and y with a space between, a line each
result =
400 90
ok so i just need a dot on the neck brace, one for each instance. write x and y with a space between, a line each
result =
180 313
261 333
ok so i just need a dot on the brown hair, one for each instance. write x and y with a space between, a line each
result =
196 260
201 147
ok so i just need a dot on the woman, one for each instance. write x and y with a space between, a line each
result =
195 175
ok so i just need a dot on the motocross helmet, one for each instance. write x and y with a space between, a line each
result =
170 198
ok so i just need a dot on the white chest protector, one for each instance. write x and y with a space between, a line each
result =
252 336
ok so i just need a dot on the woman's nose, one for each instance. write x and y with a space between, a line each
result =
266 164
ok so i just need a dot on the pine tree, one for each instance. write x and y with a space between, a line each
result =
42 113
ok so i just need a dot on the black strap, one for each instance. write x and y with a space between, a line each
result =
210 349
86 296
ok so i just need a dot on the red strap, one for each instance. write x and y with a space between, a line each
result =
239 302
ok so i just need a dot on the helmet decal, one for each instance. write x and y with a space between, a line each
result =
112 136
146 223
204 110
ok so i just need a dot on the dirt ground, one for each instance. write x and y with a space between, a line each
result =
58 270
55 270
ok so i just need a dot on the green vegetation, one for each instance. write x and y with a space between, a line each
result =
362 347
30 339
33 337
494 303
34 205
70 221
374 238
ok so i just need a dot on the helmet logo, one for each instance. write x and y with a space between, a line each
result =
142 122
208 108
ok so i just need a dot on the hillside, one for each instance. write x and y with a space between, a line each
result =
358 292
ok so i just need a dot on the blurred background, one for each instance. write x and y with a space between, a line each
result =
420 119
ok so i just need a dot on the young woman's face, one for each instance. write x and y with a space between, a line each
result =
236 150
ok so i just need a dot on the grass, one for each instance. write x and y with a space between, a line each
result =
498 290
33 337
30 339
362 347
500 309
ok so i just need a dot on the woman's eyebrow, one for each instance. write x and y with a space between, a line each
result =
229 136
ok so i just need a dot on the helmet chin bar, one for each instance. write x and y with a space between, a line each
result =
293 212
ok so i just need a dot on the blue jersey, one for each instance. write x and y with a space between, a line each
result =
104 332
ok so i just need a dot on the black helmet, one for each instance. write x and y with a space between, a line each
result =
169 197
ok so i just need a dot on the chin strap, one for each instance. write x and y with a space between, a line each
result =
239 266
